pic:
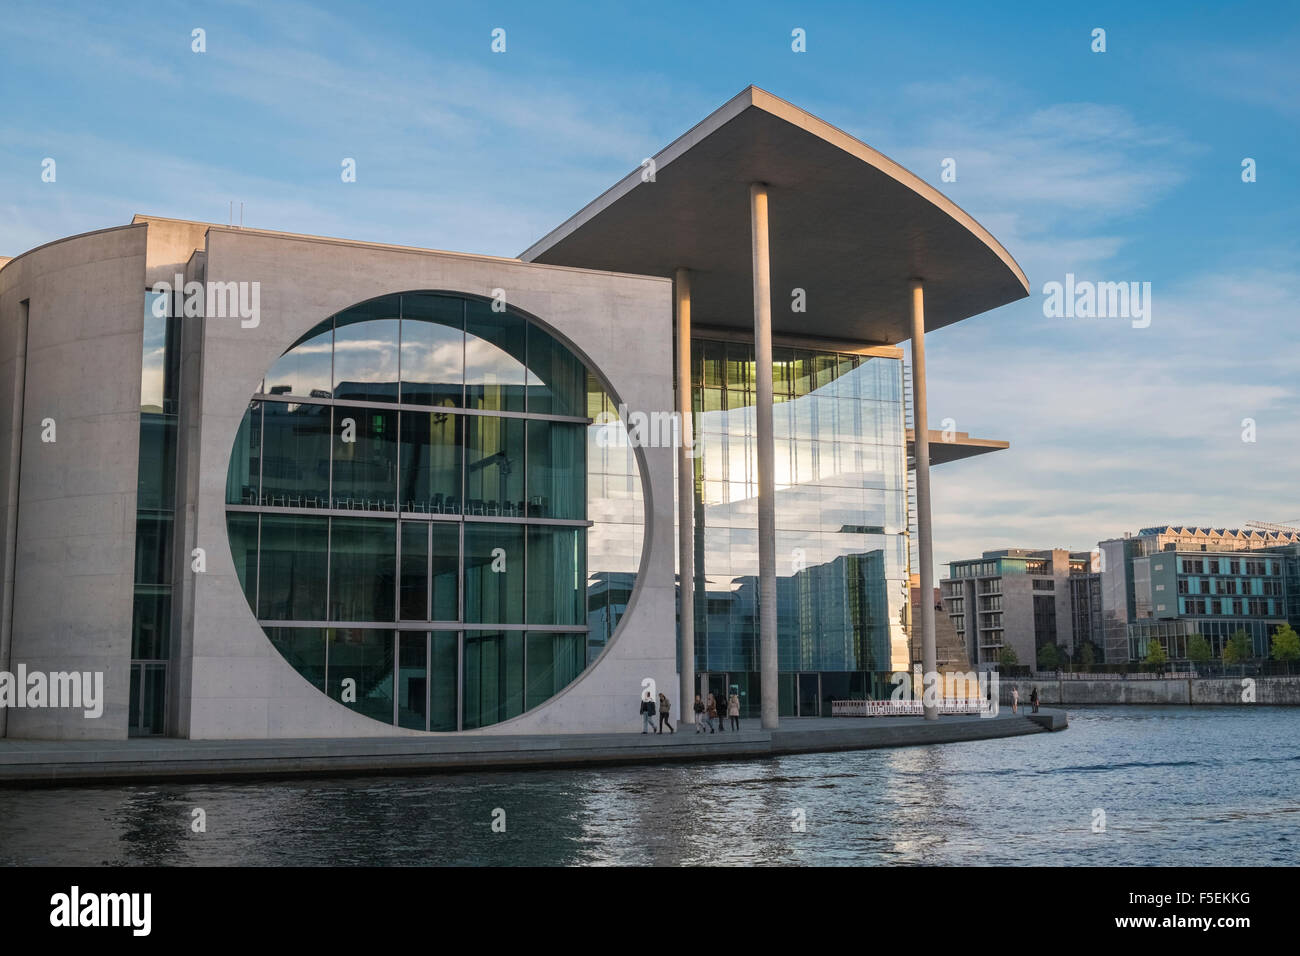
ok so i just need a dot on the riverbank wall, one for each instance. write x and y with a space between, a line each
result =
1210 691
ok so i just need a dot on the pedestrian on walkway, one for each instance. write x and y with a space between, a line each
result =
699 716
1015 698
1033 699
648 714
733 710
713 713
664 710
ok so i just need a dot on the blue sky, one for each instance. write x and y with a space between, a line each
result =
1115 166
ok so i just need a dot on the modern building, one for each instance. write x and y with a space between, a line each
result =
1169 582
276 485
1018 598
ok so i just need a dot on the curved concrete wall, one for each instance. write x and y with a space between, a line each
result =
73 532
235 684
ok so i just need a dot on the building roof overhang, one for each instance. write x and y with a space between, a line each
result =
958 446
848 225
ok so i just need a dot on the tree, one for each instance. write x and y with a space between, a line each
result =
1156 656
1238 649
1198 649
1007 656
1049 659
1286 643
1087 657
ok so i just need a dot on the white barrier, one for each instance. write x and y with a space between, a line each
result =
905 708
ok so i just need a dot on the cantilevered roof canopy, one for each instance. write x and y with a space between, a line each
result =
848 225
960 446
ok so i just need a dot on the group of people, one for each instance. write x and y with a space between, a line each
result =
706 712
1015 699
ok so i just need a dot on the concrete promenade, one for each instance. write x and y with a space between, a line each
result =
47 762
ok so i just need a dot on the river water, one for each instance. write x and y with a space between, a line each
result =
1177 786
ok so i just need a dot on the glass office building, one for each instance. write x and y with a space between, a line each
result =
417 499
841 523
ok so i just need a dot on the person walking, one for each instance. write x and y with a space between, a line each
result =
699 716
733 710
664 711
713 713
648 714
1015 698
1033 699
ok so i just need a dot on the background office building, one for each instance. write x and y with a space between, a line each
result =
414 492
1021 599
1169 582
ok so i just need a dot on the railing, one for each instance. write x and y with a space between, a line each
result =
1108 675
905 708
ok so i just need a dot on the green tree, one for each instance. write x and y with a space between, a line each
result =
1238 649
1049 659
1156 656
1286 643
1087 656
1007 656
1198 649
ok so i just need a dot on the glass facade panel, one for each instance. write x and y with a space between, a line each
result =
556 574
360 670
414 603
444 563
494 677
412 679
305 369
553 662
431 457
244 476
557 380
365 351
304 648
296 456
557 470
495 346
494 573
292 572
363 569
241 528
494 467
444 676
365 458
433 350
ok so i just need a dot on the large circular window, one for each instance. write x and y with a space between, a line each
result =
434 511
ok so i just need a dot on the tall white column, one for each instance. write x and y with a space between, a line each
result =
921 449
685 496
766 455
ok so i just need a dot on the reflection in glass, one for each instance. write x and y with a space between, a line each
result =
557 472
494 573
444 676
292 574
365 352
365 458
244 476
412 679
553 662
494 677
364 657
296 456
445 570
432 450
494 466
414 604
305 368
433 350
556 574
241 528
363 569
495 344
557 379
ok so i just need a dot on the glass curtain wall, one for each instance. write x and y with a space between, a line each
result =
421 504
841 520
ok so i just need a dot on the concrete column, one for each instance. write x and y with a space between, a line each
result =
12 502
766 454
921 446
685 496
